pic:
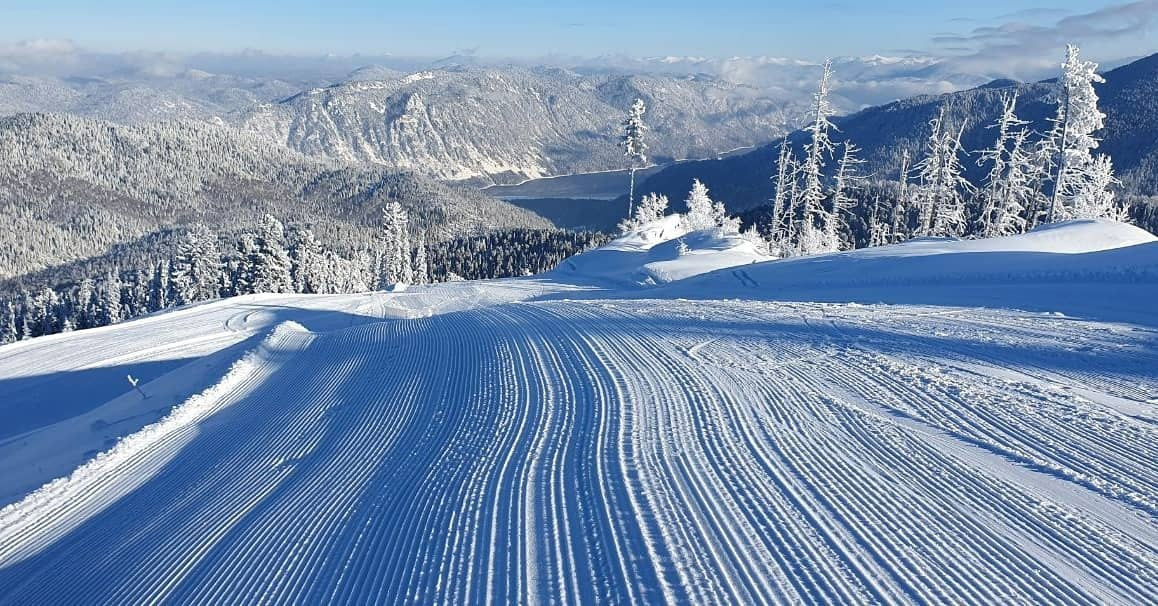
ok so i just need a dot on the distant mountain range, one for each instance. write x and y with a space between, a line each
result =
1129 98
464 118
513 124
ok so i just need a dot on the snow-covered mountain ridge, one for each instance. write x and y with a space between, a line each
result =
940 429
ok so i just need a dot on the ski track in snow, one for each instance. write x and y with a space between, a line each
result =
629 451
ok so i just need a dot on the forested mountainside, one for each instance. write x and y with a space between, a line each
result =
73 187
511 124
1129 98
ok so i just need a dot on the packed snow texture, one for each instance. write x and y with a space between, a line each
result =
648 423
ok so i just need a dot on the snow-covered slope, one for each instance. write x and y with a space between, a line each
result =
1072 267
657 253
532 439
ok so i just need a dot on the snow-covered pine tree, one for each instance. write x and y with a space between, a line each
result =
879 229
1002 204
848 178
395 265
8 330
48 312
941 199
242 265
789 240
780 197
701 214
306 259
84 305
270 262
1018 195
109 301
815 216
24 319
634 147
900 212
195 268
159 286
421 263
651 207
1094 199
1078 118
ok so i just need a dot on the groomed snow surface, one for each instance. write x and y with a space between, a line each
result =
935 421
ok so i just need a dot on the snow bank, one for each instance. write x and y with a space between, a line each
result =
659 252
56 508
1067 237
1049 269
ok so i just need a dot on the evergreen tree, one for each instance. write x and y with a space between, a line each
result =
25 317
1078 118
941 193
1005 195
815 217
84 309
900 223
780 197
109 300
270 262
395 265
159 287
243 265
196 267
633 145
701 214
8 330
421 264
651 207
307 258
847 180
1095 198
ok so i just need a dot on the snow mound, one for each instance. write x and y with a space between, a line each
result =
660 252
1067 237
1049 268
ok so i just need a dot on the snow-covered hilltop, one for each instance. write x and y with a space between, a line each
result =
670 418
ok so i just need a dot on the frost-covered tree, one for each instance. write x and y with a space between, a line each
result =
704 213
942 184
8 330
780 197
900 212
241 266
109 300
789 234
270 262
848 178
1094 199
634 147
1078 118
159 286
757 240
1007 192
879 226
194 273
395 265
84 304
421 262
815 216
307 262
651 207
700 213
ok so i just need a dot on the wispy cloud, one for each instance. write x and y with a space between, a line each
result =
1028 43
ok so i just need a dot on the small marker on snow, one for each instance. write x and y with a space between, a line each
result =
134 383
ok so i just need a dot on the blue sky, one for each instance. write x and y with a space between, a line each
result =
522 28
